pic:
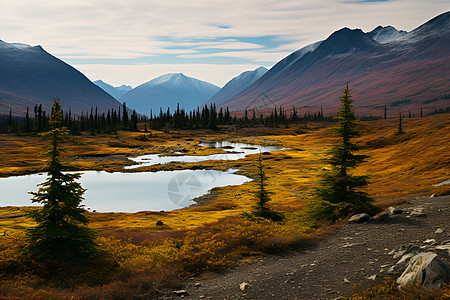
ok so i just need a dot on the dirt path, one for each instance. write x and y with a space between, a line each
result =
335 264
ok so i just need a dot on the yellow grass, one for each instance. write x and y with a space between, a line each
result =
400 167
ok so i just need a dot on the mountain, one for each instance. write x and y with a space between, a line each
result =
29 76
407 72
237 84
115 91
167 91
386 34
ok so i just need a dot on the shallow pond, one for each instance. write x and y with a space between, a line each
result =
234 151
128 192
133 192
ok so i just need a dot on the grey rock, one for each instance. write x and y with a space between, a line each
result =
181 293
405 249
405 258
418 214
373 277
394 210
391 270
244 286
359 218
428 269
430 242
433 195
381 216
439 231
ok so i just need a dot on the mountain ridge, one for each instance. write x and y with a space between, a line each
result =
115 91
166 91
411 66
237 84
30 76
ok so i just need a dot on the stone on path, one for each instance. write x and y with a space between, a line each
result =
394 210
181 293
243 286
359 218
428 269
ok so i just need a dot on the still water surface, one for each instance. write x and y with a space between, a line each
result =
128 192
133 192
234 151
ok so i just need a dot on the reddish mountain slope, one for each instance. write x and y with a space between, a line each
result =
407 73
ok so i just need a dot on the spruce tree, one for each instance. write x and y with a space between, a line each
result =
262 208
338 193
61 231
400 129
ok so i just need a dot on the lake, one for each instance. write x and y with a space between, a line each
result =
133 192
128 192
234 151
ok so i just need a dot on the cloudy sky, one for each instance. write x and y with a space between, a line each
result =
134 41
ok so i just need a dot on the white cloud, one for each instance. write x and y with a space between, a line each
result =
117 29
138 74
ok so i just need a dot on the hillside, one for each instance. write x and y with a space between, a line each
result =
115 91
30 76
237 85
405 73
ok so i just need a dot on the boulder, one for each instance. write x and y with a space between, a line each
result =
405 249
381 216
394 210
159 223
359 218
181 293
244 286
428 269
418 213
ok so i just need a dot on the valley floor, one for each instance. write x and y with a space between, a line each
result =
205 237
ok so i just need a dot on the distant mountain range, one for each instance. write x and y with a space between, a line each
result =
167 91
237 84
29 76
382 67
115 91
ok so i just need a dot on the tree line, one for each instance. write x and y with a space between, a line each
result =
121 119
208 117
93 121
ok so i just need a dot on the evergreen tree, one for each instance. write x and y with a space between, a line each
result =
61 231
400 129
338 193
262 208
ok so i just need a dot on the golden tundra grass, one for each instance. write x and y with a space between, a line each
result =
212 236
399 166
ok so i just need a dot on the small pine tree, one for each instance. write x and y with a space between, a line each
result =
400 129
262 208
61 231
337 194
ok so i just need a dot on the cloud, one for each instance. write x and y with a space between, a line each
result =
139 74
244 32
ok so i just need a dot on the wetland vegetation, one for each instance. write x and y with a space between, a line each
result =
149 252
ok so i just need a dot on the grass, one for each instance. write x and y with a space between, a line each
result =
211 236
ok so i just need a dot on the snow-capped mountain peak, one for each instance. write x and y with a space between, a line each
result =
386 34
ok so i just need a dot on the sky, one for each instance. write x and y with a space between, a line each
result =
133 41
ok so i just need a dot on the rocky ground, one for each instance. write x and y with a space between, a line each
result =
355 257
